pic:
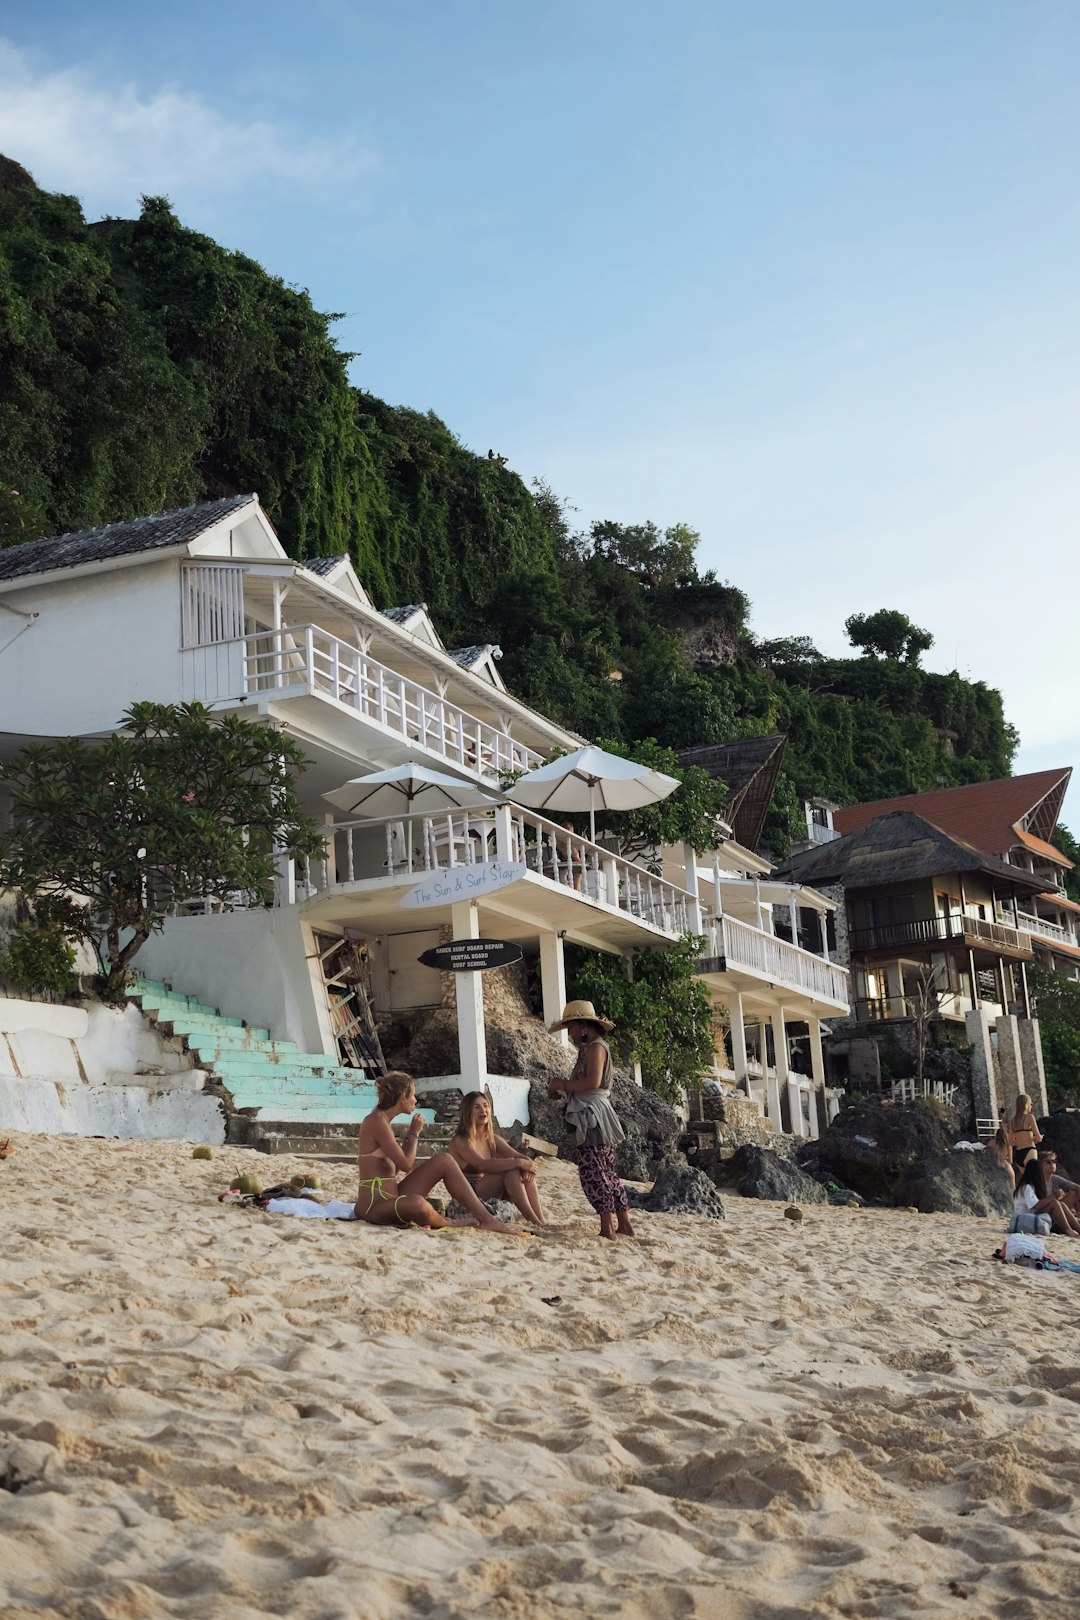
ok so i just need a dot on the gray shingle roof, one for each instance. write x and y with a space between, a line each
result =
324 565
402 615
899 848
469 657
117 539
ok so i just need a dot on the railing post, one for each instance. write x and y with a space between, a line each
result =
690 884
331 848
504 834
610 870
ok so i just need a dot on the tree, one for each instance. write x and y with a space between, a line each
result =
178 805
888 633
656 558
1058 1005
663 1016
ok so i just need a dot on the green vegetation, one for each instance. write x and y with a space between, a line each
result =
106 839
663 1017
143 366
1058 1006
40 960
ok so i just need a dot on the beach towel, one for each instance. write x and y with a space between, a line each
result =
1022 1246
337 1209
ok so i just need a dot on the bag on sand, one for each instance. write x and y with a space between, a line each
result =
1040 1225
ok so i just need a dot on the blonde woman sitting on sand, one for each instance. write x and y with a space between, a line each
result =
384 1200
1024 1135
492 1168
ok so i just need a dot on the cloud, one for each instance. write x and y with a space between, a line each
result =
109 143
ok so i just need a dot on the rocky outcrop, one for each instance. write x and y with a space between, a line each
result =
521 1049
652 1127
769 1172
956 1183
873 1147
680 1190
1061 1131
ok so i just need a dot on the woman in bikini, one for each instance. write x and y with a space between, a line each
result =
1024 1134
491 1166
384 1200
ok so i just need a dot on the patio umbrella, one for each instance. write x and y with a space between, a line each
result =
591 779
401 789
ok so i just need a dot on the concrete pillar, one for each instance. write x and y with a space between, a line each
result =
469 994
331 848
1010 1063
504 837
738 1037
553 981
984 1090
1031 1064
818 1119
777 1083
690 884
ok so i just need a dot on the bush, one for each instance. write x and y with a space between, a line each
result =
39 960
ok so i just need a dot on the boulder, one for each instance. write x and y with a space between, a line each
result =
873 1146
957 1183
759 1172
680 1190
1061 1131
652 1127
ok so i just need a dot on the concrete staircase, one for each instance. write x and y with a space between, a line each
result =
276 1098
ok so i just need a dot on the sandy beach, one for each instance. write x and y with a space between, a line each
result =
212 1412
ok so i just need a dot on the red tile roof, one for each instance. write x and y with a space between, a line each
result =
986 814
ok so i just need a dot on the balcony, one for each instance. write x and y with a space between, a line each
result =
304 661
955 929
392 852
1041 928
764 956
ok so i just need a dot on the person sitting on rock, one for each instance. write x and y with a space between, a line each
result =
384 1200
492 1168
1032 1200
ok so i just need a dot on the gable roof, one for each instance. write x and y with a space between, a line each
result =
901 847
325 565
404 615
994 816
125 539
749 767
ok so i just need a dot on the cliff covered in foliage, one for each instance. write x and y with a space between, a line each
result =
143 366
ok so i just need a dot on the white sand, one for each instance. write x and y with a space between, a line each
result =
223 1414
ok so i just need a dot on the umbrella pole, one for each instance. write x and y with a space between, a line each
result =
592 819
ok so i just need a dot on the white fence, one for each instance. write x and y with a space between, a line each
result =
771 958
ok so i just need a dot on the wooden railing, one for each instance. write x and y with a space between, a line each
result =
404 846
769 957
933 930
304 658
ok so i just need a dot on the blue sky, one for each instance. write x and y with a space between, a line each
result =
803 275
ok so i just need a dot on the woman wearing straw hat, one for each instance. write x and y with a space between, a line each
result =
591 1117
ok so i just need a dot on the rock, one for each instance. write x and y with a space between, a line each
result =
680 1190
1061 1131
871 1148
652 1127
499 1207
956 1184
758 1172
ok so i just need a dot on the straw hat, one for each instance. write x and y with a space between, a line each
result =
580 1012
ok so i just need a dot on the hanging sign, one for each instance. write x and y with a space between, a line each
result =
471 955
451 884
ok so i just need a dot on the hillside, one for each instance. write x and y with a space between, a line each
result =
144 366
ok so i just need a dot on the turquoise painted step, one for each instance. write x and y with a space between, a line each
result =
299 1066
306 1086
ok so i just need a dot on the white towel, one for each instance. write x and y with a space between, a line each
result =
338 1209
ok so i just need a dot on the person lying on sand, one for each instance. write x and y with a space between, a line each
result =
492 1168
384 1200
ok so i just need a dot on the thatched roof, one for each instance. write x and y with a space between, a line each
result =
749 767
900 848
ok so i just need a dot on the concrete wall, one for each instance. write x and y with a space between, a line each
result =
254 965
92 1070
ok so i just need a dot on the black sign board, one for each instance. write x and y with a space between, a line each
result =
471 955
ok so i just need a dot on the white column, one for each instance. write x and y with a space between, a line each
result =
773 1081
331 848
553 981
738 1037
817 1069
469 992
793 920
504 838
690 884
785 1080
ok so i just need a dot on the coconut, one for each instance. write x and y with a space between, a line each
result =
202 1153
793 1213
311 1181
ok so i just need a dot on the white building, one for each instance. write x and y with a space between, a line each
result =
203 604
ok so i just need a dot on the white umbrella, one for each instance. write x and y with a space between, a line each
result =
403 788
592 780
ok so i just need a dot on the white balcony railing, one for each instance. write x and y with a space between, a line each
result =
302 659
768 957
1042 928
404 846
